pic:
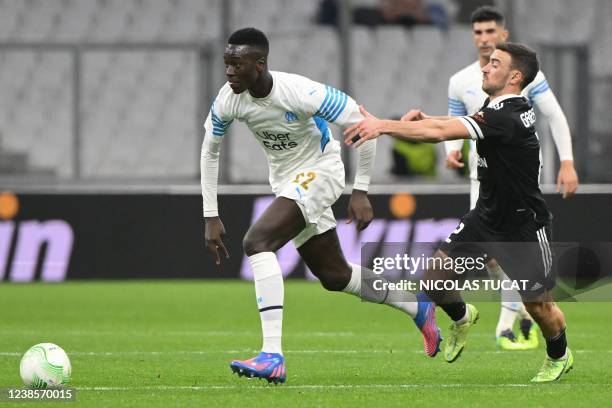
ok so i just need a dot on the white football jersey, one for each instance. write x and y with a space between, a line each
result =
466 97
290 123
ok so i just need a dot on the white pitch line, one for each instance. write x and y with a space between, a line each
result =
206 352
298 387
203 333
237 333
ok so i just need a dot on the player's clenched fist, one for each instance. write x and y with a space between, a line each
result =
453 160
213 235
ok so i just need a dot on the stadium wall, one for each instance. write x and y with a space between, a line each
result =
55 237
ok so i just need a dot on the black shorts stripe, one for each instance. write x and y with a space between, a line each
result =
265 309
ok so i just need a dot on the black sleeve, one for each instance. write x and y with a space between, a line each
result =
492 124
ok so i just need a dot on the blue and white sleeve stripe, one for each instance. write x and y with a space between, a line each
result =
219 126
456 107
538 89
333 104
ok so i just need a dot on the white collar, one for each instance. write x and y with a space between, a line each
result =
502 98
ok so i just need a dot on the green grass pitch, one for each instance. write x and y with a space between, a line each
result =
160 344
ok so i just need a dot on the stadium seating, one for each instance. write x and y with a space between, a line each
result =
109 20
139 114
36 117
139 106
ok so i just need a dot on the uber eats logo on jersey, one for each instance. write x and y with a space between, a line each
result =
276 141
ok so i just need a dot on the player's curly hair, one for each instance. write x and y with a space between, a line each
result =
524 59
487 13
250 36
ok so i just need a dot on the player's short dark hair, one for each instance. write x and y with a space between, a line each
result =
487 13
252 37
524 59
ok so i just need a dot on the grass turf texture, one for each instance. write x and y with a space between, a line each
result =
169 343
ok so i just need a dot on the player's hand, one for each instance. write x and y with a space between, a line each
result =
369 128
453 160
360 210
567 180
414 115
213 235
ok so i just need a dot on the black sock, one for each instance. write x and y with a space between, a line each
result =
525 327
555 347
455 310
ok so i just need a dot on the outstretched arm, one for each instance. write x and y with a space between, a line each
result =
453 147
426 130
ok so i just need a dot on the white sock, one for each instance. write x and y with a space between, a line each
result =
496 271
401 300
507 315
270 294
510 304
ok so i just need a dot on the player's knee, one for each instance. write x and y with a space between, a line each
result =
334 284
253 244
492 263
333 279
539 310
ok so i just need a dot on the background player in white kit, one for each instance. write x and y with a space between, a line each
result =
288 115
465 97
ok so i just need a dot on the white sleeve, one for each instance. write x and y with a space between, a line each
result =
209 173
456 107
337 107
366 153
215 127
547 103
365 161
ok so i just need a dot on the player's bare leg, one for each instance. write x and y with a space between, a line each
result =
323 255
281 221
551 320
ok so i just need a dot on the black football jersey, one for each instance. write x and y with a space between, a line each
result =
509 163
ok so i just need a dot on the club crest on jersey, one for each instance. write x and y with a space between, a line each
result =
479 117
290 117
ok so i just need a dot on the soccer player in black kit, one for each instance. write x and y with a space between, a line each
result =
511 221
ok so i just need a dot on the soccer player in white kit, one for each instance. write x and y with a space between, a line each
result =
465 97
288 116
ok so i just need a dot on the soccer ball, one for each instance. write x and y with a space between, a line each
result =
45 365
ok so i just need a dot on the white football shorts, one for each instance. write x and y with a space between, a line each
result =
315 188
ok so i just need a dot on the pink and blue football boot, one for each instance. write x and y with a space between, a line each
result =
270 366
425 320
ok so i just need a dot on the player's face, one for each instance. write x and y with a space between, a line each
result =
486 35
496 73
241 67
